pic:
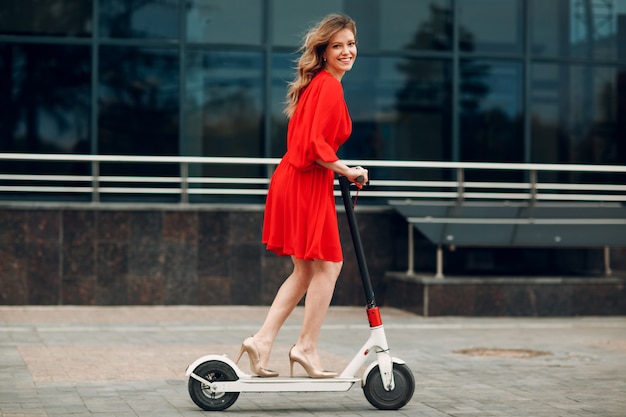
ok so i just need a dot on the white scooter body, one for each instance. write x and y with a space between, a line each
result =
377 343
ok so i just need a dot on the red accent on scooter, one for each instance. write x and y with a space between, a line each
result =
373 316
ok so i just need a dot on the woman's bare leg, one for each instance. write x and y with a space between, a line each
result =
318 298
287 298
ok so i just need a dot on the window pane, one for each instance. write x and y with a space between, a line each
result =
291 19
621 33
587 29
45 98
490 26
224 114
225 21
51 17
491 111
400 109
282 73
574 115
139 19
413 24
224 108
138 101
45 103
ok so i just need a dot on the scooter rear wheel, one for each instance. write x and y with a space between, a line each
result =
201 394
394 399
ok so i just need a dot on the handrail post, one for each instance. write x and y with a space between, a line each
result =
607 262
95 181
184 183
533 187
439 273
411 254
460 177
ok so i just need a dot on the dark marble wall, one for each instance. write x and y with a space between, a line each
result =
141 257
213 256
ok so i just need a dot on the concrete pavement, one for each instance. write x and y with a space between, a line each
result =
130 361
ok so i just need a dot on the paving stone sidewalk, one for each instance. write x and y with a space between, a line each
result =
130 361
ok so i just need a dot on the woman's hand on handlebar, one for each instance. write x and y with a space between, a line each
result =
358 175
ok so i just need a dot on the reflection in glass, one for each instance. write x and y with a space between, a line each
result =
224 109
574 115
490 26
138 102
45 98
139 19
407 24
491 126
282 73
44 108
138 112
581 28
414 24
291 19
51 17
225 21
400 109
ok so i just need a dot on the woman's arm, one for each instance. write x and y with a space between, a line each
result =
342 169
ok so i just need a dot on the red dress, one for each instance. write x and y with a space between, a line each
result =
300 214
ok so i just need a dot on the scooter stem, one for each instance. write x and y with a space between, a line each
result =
344 184
377 341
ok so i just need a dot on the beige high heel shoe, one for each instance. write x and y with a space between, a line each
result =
312 372
253 354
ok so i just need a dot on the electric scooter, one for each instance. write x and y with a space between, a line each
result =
215 381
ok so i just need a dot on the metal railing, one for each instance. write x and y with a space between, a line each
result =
189 181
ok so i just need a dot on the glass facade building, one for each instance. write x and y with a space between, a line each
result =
531 81
447 80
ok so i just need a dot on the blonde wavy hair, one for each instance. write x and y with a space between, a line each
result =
311 62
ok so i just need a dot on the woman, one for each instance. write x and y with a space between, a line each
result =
300 215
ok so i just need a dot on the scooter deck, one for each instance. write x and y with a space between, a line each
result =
281 384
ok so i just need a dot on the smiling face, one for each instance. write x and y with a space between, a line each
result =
340 53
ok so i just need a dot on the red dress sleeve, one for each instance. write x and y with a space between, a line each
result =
320 124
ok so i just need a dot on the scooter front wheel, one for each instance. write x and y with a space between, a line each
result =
397 398
203 396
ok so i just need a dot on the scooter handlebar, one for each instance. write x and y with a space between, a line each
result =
358 181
